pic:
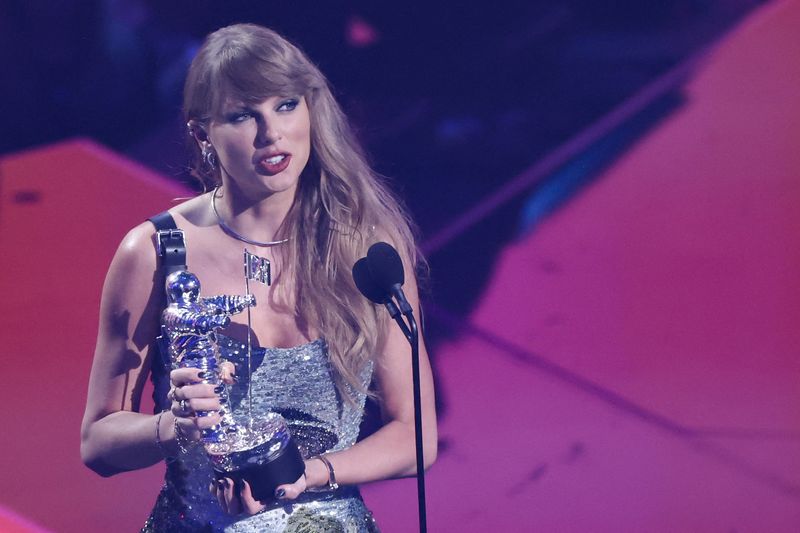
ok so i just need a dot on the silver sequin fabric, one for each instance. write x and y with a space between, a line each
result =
297 383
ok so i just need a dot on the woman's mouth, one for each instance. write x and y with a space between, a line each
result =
275 163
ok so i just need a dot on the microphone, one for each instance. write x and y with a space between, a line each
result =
369 288
386 269
379 276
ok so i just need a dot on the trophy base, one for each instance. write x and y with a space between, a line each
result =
264 478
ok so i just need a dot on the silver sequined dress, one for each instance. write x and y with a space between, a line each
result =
298 384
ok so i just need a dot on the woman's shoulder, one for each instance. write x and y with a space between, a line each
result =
136 251
194 211
138 247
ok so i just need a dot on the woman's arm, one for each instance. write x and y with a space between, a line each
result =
114 436
389 452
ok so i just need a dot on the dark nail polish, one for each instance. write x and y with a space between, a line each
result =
219 388
280 493
202 375
223 401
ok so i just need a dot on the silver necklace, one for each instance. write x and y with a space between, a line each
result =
233 233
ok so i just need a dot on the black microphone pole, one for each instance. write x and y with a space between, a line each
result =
413 339
412 335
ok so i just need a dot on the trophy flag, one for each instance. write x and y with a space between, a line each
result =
257 268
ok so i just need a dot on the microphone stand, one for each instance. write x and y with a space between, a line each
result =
412 335
413 339
384 260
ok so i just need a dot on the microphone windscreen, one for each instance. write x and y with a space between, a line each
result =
385 266
367 285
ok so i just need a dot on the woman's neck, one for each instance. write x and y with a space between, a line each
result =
257 217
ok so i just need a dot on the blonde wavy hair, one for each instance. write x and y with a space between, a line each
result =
341 207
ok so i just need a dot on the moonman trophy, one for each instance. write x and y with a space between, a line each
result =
261 452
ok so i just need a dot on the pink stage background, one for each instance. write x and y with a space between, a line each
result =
634 364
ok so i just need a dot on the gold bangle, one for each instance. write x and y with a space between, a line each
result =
332 484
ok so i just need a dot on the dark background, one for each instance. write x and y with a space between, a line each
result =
452 99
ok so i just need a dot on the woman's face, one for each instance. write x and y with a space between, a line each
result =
262 148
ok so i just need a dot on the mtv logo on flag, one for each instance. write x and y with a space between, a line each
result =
257 268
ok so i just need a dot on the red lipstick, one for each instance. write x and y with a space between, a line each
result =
275 163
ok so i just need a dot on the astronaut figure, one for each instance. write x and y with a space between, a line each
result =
189 324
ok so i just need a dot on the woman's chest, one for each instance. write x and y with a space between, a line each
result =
271 322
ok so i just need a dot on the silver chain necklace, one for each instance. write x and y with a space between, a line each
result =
233 233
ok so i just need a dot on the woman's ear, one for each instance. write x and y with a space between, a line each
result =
197 131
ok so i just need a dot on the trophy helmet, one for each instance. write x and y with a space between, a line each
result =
182 287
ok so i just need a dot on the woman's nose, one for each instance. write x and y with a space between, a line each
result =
267 134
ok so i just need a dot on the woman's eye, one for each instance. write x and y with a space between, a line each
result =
288 105
240 116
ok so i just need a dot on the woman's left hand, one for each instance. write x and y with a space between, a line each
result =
235 500
290 491
239 501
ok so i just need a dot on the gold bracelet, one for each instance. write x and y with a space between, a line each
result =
332 484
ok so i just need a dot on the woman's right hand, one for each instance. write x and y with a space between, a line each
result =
189 396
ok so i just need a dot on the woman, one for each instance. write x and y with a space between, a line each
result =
290 184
